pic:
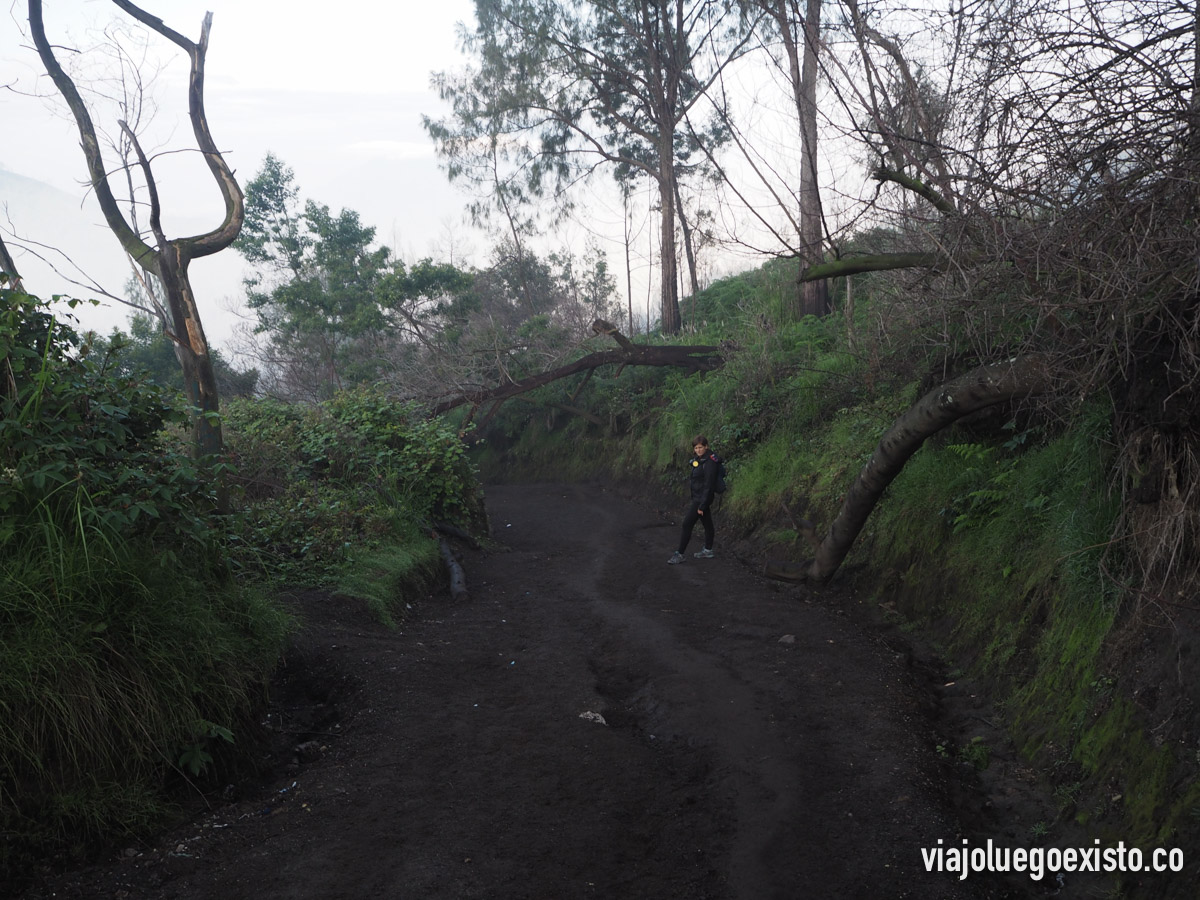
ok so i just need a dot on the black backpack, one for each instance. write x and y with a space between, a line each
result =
722 484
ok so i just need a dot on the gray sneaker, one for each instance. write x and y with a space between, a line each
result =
704 554
676 559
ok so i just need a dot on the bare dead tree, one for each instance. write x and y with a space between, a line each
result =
167 258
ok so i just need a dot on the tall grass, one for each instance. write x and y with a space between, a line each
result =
118 657
390 576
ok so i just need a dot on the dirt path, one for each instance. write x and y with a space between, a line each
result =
758 745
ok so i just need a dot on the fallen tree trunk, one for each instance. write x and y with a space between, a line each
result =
458 580
693 359
454 531
978 389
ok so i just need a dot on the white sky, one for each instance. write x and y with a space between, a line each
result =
335 90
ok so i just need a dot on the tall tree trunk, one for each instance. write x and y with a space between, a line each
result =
800 37
628 263
688 245
1194 109
649 256
668 259
664 93
814 295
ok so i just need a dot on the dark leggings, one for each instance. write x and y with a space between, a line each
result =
689 522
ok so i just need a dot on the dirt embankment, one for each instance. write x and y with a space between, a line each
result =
594 722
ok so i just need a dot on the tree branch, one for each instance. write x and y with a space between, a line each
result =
918 187
691 358
130 240
226 233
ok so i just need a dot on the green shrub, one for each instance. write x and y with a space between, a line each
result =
127 645
390 576
77 441
359 473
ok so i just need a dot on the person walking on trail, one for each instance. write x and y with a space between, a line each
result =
703 471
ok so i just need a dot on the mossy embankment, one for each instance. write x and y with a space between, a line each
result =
995 543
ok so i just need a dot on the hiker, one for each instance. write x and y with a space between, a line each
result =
704 470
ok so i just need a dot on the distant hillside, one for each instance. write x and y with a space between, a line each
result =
69 232
58 227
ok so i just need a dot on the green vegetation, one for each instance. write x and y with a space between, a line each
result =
996 541
136 625
127 645
344 494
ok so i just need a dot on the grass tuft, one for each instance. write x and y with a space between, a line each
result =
117 660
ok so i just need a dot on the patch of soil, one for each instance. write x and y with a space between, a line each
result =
594 722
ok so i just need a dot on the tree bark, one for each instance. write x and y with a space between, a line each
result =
670 321
9 268
979 389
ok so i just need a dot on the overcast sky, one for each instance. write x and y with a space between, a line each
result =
336 90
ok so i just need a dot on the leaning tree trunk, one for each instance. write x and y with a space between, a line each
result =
979 389
689 248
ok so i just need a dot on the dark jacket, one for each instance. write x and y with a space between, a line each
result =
702 479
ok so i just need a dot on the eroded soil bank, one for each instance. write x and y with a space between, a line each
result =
755 741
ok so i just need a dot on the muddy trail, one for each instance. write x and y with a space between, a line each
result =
593 722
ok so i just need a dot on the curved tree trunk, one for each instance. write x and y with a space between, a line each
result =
979 389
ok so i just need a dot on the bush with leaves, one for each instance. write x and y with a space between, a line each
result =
323 484
127 646
76 439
